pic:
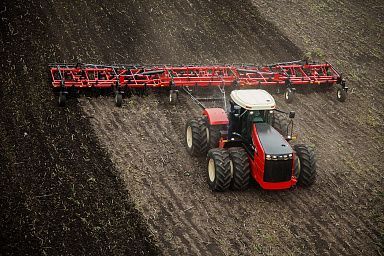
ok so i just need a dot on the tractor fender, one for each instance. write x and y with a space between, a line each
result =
216 116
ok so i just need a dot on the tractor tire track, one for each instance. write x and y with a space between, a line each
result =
321 231
162 184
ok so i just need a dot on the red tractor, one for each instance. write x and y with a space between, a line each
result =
251 140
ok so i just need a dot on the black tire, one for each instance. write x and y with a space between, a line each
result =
341 94
196 137
62 99
307 165
289 95
219 169
280 122
214 135
240 171
173 97
119 100
296 167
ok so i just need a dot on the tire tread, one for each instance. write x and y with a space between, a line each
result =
222 165
307 165
241 171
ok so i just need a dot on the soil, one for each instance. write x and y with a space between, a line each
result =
122 180
60 193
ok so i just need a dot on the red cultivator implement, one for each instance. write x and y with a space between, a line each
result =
286 77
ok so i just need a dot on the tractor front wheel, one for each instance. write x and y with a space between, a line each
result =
306 168
240 171
196 137
219 169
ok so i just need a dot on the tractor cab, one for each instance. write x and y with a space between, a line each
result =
246 108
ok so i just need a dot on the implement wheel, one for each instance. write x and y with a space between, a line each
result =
219 169
306 170
62 99
341 94
173 97
240 171
119 99
289 95
196 137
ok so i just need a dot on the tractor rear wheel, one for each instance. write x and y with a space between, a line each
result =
219 169
280 123
239 168
306 165
196 137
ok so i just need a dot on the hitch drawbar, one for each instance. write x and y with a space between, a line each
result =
288 76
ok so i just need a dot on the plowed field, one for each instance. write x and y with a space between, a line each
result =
121 178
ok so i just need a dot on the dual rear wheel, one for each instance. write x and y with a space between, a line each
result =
200 136
228 169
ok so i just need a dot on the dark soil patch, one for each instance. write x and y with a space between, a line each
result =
60 193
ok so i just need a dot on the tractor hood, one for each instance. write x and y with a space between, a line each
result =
272 141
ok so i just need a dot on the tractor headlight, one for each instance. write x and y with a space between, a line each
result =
290 156
268 157
274 157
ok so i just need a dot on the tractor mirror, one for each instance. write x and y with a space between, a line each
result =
291 114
